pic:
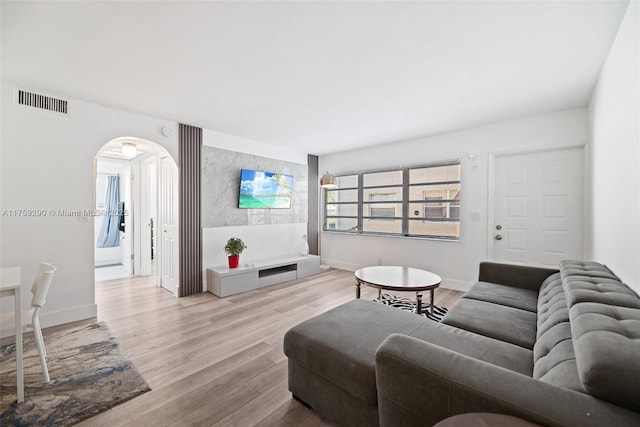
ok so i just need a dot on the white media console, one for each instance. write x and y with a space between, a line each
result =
224 281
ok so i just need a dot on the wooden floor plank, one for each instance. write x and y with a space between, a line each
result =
216 361
294 413
259 408
225 394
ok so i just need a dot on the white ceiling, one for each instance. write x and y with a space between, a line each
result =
319 77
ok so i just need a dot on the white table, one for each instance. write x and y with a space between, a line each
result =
10 286
396 278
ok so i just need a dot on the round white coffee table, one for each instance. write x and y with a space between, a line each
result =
396 278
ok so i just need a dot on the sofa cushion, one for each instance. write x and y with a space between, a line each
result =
553 355
520 276
552 304
499 353
607 345
593 282
510 296
343 355
576 269
497 321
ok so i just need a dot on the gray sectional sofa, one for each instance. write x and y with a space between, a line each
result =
559 348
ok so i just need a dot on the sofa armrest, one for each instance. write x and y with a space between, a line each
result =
520 276
420 383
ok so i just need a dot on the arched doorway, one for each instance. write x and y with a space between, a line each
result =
138 178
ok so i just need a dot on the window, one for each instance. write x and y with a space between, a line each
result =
421 201
434 201
382 202
341 205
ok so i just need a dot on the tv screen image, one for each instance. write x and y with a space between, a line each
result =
265 190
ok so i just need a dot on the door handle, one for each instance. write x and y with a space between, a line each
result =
498 237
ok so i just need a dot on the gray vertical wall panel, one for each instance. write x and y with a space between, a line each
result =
190 141
313 222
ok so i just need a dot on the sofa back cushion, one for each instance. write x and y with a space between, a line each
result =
605 326
553 353
586 281
607 345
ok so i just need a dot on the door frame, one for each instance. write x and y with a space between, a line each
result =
491 165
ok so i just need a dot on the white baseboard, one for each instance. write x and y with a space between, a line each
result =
48 319
455 285
341 265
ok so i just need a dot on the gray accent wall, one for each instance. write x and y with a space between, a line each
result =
221 187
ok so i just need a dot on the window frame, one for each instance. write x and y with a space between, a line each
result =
404 201
338 203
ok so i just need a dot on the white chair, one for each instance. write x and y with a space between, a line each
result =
39 290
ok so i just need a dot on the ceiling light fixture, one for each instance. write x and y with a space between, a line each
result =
129 149
328 181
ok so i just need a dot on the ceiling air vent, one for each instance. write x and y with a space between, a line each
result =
40 101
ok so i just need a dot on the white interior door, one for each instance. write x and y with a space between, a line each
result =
168 224
538 207
126 238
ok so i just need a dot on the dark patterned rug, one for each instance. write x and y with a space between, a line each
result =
89 374
410 305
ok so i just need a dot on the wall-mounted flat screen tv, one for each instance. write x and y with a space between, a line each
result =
265 190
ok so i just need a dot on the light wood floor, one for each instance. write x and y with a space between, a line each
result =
216 361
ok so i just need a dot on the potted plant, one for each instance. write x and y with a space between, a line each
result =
234 248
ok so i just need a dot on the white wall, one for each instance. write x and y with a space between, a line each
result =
614 155
47 162
263 241
456 262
